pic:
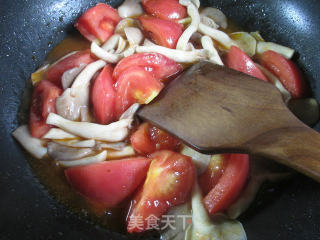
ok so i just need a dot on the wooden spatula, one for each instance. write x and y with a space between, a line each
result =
218 110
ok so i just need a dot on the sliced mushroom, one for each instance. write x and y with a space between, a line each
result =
90 143
103 54
29 143
129 113
114 132
69 104
115 146
57 133
85 161
209 22
121 45
130 8
111 43
60 152
126 22
127 151
218 16
245 41
284 51
201 161
214 57
69 75
134 35
148 43
176 55
186 3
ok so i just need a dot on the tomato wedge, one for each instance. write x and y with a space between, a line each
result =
163 32
135 85
238 60
43 102
55 72
287 72
213 173
229 186
165 9
108 183
159 65
98 22
169 182
147 139
103 96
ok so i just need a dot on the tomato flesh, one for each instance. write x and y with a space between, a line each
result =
238 60
169 182
147 139
159 65
135 85
98 22
103 96
229 186
287 72
108 183
43 102
55 72
165 9
163 32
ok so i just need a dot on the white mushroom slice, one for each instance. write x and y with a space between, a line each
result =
214 57
129 51
217 35
186 3
115 146
276 82
216 15
200 161
111 43
121 45
245 41
284 51
129 113
69 75
57 133
127 151
130 8
103 54
29 143
185 21
176 55
90 143
60 152
69 104
126 22
209 22
186 35
114 132
85 161
134 35
190 47
148 43
257 36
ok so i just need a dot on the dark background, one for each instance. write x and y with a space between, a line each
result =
29 29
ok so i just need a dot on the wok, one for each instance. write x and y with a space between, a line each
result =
29 29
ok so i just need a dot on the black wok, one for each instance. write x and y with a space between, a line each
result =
28 31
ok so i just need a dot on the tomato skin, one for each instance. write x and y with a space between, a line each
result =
240 61
165 9
287 72
159 65
147 139
213 173
55 72
163 32
229 186
110 182
98 22
43 102
135 85
169 182
103 96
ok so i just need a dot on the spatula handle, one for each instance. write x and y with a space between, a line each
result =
297 147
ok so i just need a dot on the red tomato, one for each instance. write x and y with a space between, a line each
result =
108 183
169 182
147 139
55 72
135 85
165 9
159 65
103 96
238 60
229 186
43 102
287 72
98 22
213 173
163 32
